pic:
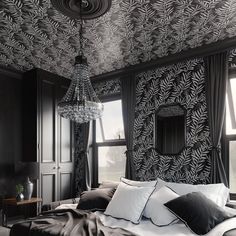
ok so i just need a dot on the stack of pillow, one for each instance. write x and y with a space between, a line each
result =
200 207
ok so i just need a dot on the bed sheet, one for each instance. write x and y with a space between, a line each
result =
147 228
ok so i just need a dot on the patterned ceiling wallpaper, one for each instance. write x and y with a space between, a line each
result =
33 34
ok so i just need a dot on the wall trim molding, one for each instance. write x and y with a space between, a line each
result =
197 52
11 72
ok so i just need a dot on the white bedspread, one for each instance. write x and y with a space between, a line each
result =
146 228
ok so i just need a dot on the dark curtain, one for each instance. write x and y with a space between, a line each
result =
82 174
216 69
128 92
85 130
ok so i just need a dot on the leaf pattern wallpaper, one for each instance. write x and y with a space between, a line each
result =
232 59
182 83
34 34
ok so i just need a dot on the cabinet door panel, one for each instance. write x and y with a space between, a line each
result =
65 152
65 135
48 186
65 185
66 140
48 122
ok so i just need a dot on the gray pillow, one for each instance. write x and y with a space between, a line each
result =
95 200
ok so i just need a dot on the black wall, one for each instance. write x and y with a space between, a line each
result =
10 129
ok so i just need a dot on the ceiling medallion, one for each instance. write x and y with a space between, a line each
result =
90 8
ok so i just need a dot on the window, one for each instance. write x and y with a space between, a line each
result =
110 125
231 108
230 134
109 144
232 165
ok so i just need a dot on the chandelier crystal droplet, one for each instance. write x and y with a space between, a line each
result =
80 103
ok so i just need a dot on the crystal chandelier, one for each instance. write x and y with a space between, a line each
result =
80 103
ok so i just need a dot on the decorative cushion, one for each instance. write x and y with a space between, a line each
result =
129 202
156 211
198 212
95 200
218 193
139 183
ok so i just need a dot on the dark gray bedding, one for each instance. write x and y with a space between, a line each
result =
66 222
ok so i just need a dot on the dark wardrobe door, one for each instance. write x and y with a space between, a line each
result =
47 138
65 152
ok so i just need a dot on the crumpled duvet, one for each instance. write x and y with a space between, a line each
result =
66 222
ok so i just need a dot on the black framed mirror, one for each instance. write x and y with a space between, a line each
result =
170 129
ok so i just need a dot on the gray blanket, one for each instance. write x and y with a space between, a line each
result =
66 222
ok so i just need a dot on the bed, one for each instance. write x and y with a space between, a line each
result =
66 219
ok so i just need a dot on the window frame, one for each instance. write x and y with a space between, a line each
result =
226 138
95 145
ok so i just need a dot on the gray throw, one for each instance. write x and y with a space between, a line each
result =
66 222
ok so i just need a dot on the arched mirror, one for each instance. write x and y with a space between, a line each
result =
170 129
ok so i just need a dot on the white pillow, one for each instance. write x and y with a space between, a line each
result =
218 193
67 206
139 183
128 202
155 209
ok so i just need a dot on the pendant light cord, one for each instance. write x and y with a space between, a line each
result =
81 29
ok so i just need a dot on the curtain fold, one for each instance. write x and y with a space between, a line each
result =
216 69
82 173
128 93
85 130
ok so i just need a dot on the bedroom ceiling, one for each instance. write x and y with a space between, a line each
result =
33 34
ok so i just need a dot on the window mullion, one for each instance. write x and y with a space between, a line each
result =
231 106
102 129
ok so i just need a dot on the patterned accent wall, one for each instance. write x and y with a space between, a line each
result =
179 83
182 83
232 59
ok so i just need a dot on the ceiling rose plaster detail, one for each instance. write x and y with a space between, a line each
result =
34 34
91 9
